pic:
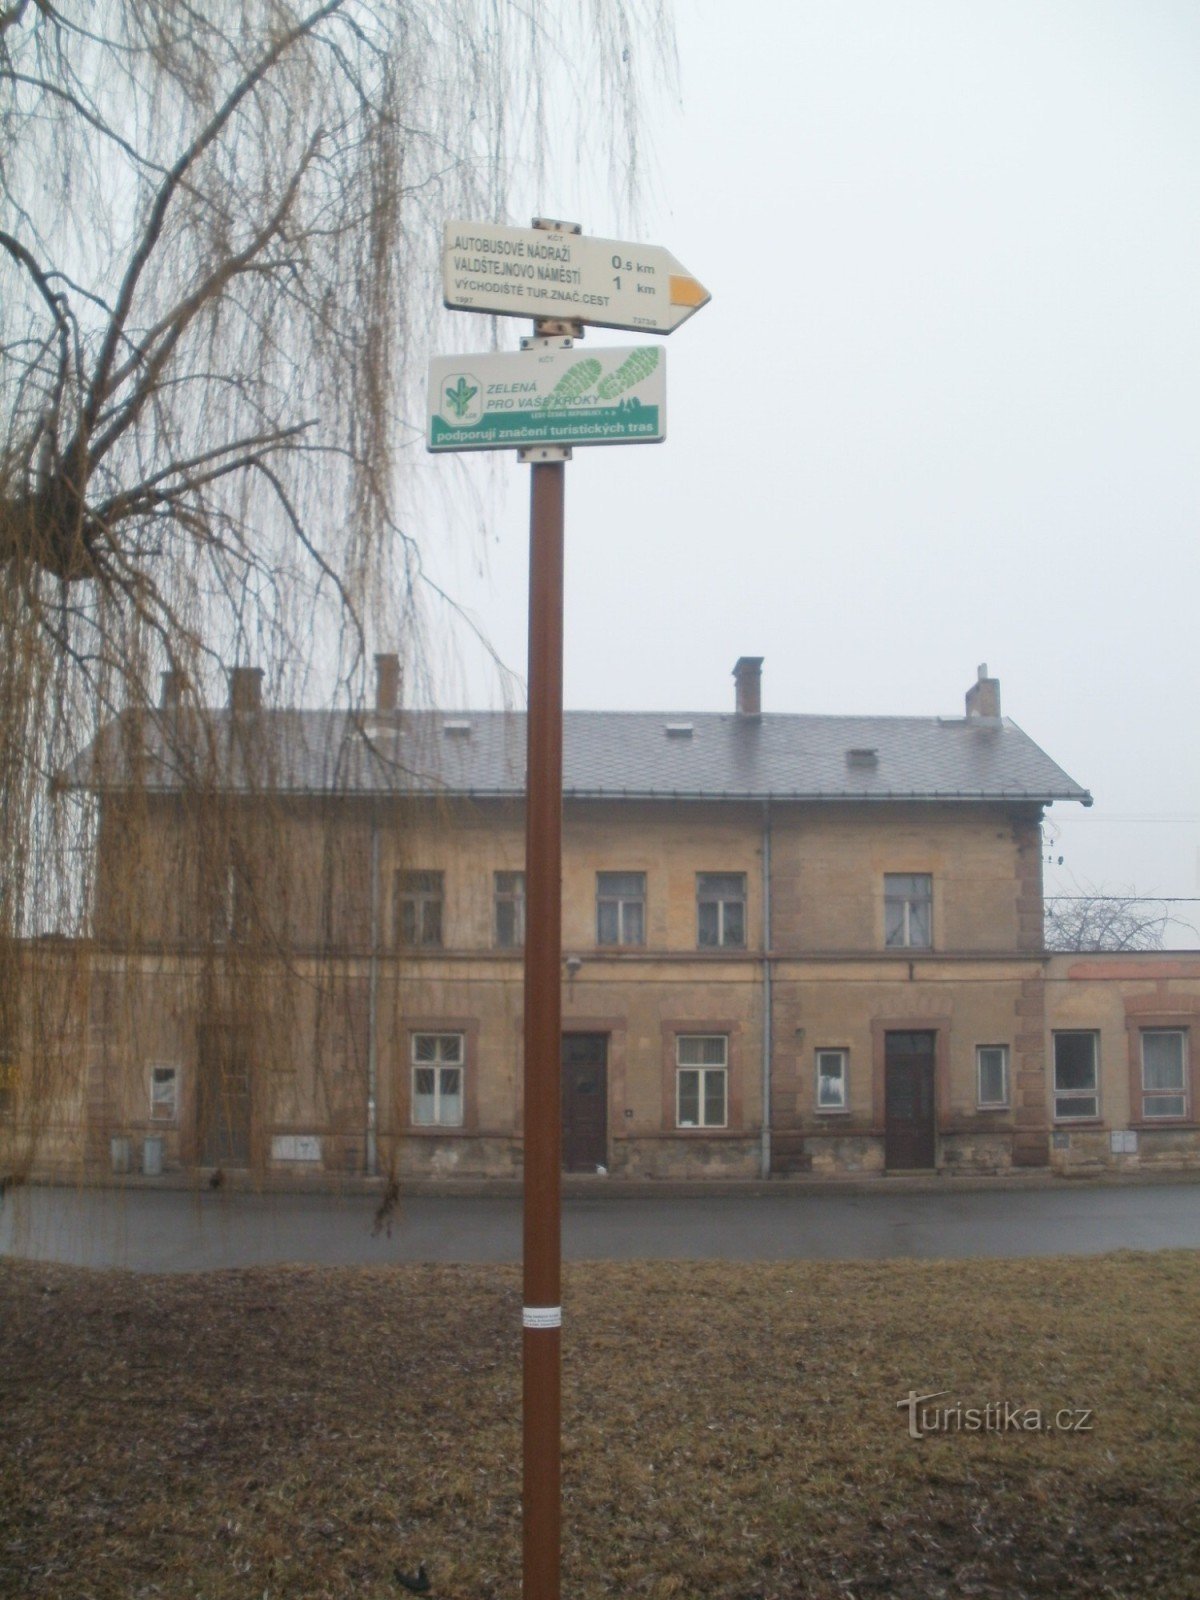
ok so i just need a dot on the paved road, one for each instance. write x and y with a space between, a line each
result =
173 1231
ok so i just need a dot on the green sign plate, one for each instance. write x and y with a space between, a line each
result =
548 397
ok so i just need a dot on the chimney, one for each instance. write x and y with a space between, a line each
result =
245 689
747 674
983 697
387 683
172 688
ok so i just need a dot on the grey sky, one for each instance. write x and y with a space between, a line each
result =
943 408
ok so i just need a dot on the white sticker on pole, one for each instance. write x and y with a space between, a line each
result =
542 1316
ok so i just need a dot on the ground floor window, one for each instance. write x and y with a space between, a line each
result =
991 1075
702 1080
832 1086
1076 1076
1164 1073
164 1087
437 1083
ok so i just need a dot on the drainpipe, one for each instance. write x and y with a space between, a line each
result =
766 985
373 1006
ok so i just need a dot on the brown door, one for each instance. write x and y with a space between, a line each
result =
584 1101
223 1097
909 1122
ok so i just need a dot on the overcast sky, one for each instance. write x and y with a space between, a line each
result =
944 407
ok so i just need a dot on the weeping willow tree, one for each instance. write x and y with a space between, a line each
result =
219 230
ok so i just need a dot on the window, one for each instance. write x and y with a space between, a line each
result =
510 910
701 1093
233 904
832 1084
419 909
991 1075
620 908
1076 1080
8 1081
1164 1081
437 1093
164 1082
908 910
721 910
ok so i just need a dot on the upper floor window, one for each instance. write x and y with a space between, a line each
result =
437 1088
419 909
510 910
1076 1076
233 904
1164 1073
620 908
721 910
908 910
991 1075
701 1080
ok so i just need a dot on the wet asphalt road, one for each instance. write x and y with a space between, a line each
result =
148 1230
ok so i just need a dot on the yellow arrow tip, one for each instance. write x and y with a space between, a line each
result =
687 292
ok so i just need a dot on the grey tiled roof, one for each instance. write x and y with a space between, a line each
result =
636 754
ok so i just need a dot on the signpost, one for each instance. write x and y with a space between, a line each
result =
549 395
528 272
541 402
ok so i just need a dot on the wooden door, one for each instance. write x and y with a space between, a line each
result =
223 1097
584 1101
909 1136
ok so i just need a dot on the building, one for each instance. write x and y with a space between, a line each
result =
793 944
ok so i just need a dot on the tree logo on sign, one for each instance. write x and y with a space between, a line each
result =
463 405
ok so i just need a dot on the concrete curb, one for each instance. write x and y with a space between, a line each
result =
586 1186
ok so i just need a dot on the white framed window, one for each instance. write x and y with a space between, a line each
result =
509 910
908 910
1164 1072
833 1088
164 1093
620 908
721 910
437 1080
1076 1076
991 1075
419 909
701 1080
233 910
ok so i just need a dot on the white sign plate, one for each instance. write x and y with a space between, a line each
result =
529 272
296 1147
508 401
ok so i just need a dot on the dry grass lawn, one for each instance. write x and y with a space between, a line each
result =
730 1432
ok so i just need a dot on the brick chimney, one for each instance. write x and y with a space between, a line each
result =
245 689
387 683
983 697
747 677
172 688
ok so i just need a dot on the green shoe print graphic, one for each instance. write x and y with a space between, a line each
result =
575 382
637 365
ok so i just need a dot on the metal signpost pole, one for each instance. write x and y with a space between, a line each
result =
540 403
541 1366
542 1334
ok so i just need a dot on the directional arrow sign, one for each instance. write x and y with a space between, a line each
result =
548 396
525 272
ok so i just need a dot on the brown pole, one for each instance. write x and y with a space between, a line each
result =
542 1333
